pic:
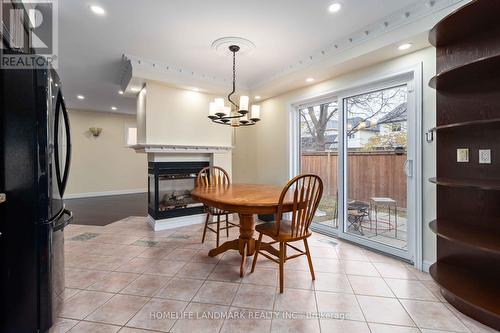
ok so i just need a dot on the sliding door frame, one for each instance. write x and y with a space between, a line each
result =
413 77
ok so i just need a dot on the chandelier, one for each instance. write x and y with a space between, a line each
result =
234 115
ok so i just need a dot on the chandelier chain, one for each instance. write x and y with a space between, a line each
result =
234 82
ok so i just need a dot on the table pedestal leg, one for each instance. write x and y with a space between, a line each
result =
245 244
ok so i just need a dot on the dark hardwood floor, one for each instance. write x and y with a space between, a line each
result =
105 210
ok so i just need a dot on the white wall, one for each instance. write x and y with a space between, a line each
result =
262 151
179 117
103 164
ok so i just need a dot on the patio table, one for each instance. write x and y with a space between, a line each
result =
376 202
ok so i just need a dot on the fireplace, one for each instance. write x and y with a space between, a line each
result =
169 189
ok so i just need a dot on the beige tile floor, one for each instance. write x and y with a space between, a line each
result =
125 278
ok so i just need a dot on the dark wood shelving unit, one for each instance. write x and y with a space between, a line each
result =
468 123
483 298
467 21
477 70
460 232
468 194
480 184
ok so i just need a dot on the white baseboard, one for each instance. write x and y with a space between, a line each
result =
426 265
175 222
103 194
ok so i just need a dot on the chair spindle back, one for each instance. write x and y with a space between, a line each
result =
307 191
212 175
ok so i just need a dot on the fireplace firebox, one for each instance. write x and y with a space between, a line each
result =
169 189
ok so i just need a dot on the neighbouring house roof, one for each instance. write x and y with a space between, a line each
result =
397 115
355 121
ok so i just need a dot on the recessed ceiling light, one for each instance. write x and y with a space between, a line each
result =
257 97
404 46
114 108
195 89
97 10
80 97
309 79
334 7
120 92
135 89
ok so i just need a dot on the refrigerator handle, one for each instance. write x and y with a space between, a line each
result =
56 142
68 145
62 179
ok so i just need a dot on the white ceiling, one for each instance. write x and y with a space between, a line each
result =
179 33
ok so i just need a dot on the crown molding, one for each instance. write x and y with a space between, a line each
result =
396 20
136 71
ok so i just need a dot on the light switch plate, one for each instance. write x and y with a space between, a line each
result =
462 155
484 156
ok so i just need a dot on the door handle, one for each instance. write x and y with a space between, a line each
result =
408 168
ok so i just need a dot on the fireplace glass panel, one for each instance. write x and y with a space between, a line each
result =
151 192
175 192
170 186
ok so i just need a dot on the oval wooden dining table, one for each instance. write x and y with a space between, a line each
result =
246 200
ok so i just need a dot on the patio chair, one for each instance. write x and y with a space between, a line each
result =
356 213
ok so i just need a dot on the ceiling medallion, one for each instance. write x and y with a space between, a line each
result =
234 115
222 45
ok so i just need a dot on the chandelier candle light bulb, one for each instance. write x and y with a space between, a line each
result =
255 114
219 103
244 104
212 110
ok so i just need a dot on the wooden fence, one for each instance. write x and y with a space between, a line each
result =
371 174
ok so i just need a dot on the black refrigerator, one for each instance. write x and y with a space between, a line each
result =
35 152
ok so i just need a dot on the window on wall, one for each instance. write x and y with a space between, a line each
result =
130 135
319 135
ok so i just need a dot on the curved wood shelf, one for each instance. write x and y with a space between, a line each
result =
468 248
468 123
482 68
466 233
488 185
469 291
467 20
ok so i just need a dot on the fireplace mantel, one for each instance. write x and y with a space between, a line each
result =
165 149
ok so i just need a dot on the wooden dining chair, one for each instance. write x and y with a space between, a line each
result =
307 191
211 176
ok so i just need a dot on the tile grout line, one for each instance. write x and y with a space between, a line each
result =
191 246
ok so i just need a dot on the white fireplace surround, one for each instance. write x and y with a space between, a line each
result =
183 153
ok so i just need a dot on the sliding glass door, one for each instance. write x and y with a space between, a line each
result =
361 144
